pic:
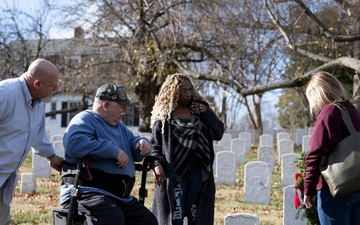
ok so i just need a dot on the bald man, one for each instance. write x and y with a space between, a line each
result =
22 126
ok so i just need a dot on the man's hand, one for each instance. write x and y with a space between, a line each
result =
122 159
55 162
144 146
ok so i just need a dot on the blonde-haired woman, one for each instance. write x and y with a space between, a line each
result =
322 91
183 130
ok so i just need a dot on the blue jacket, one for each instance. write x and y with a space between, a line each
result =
88 135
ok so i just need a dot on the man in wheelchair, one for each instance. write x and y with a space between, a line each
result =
109 150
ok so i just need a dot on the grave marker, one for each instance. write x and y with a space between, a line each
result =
238 147
28 183
257 183
266 154
241 219
225 142
289 210
288 168
266 139
40 167
225 168
285 146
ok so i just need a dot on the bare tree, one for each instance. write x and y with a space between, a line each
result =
17 27
346 16
216 41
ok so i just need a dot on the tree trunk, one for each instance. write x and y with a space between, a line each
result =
356 80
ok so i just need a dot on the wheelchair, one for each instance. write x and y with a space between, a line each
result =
69 215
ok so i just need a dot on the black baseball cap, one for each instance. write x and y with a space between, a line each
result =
113 92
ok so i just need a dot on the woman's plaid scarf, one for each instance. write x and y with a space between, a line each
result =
189 141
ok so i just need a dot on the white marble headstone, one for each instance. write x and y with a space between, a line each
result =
59 148
257 183
299 133
289 209
306 143
310 130
285 146
238 147
234 133
40 166
281 136
225 142
225 168
266 154
288 168
266 139
28 183
246 136
241 219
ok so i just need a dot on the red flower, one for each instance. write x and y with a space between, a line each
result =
297 202
297 176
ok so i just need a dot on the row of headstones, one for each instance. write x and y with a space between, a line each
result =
289 212
225 144
240 146
256 175
295 134
265 153
285 145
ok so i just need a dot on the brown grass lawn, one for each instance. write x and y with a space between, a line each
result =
36 208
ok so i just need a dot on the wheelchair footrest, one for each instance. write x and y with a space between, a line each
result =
60 217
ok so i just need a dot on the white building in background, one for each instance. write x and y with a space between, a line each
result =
70 56
57 124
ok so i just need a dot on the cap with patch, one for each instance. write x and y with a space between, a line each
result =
113 92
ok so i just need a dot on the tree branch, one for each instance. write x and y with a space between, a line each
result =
187 72
289 42
344 62
325 30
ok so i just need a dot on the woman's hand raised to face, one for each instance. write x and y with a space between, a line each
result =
198 107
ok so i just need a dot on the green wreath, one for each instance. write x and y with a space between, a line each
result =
310 214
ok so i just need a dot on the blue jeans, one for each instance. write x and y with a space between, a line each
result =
186 195
342 211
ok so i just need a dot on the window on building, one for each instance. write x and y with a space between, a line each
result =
131 117
67 116
53 108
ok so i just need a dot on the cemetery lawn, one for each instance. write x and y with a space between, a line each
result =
36 208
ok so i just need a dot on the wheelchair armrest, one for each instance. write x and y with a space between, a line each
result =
147 163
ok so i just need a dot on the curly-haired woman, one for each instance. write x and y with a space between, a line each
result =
183 130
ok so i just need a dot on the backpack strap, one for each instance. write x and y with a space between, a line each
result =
350 126
346 118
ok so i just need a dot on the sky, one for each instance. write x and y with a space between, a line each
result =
34 7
